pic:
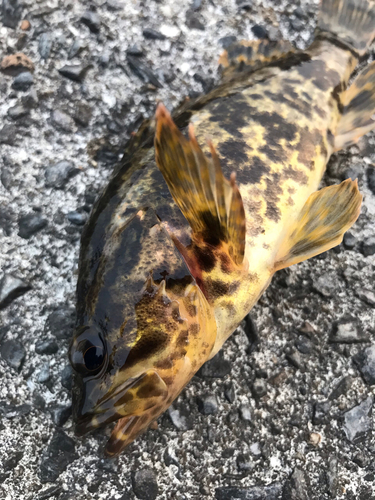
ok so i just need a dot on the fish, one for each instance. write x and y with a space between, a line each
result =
206 205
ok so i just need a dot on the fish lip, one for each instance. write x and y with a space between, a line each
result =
84 424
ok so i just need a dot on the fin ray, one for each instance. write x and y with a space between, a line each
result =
325 217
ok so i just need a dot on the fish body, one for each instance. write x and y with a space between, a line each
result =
175 255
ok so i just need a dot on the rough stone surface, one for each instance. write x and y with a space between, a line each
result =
11 287
192 456
358 421
365 361
145 485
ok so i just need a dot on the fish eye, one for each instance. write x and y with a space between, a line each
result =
87 352
94 357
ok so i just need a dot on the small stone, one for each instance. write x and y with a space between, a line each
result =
13 353
11 13
11 411
46 347
38 401
270 492
347 331
297 24
67 377
83 114
358 421
256 450
12 461
30 101
244 4
321 412
142 71
296 487
58 175
16 63
207 404
44 374
342 387
294 358
315 438
17 111
152 34
11 287
196 5
25 25
259 31
300 13
76 218
370 173
8 135
226 41
76 48
349 240
368 246
325 285
365 361
230 394
244 463
303 345
114 5
367 296
217 367
23 81
62 121
58 455
180 419
134 50
144 484
45 45
61 322
60 414
251 332
91 20
193 21
259 388
246 413
332 477
30 224
74 72
274 34
207 82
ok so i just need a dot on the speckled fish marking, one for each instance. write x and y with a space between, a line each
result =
187 235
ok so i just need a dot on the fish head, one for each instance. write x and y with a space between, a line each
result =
146 329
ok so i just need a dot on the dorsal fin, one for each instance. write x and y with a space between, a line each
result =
250 55
211 204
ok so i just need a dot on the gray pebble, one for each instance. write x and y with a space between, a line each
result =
230 394
358 421
83 114
152 34
67 377
217 367
11 11
135 50
44 374
349 240
45 45
46 347
13 353
180 419
144 484
367 296
226 41
365 361
259 388
296 487
325 285
31 224
74 72
62 121
8 135
342 387
246 413
244 463
207 404
76 48
60 414
368 246
142 71
297 24
57 456
321 412
76 218
17 111
274 34
259 31
61 322
30 101
347 331
23 81
11 287
91 20
193 21
58 175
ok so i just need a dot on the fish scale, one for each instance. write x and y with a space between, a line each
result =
205 207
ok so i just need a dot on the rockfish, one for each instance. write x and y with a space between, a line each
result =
205 207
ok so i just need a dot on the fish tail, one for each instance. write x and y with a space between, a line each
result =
351 22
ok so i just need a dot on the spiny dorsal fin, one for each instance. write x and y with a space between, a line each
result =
251 55
358 116
211 204
325 217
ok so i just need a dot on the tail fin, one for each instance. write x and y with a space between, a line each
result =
350 21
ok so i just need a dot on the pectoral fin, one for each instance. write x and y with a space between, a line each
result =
325 217
358 116
211 204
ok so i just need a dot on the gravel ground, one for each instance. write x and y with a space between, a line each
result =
284 411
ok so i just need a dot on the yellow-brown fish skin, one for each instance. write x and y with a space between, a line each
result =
174 255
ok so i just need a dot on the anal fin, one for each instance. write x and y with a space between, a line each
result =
211 204
252 55
358 116
325 217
